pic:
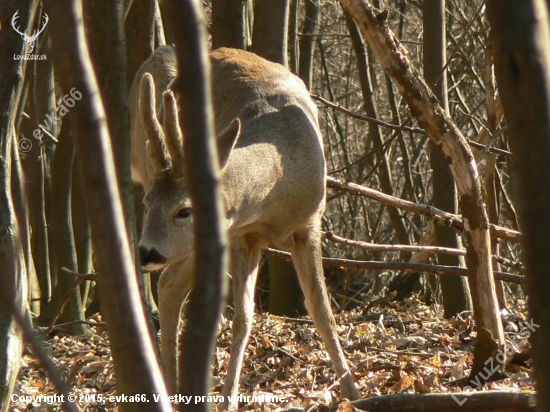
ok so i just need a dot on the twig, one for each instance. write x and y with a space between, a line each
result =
366 118
396 126
74 322
80 278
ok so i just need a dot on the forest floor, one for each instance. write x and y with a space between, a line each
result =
404 347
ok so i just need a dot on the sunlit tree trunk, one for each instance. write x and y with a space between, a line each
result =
13 275
203 310
136 366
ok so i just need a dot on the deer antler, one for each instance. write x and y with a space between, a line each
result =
156 146
172 132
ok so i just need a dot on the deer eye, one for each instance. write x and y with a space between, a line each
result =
183 213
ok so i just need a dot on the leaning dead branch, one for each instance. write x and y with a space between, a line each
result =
424 106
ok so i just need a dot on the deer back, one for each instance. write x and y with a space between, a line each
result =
274 179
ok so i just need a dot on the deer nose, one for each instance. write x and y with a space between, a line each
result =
150 257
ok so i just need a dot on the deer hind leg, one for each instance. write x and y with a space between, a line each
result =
245 258
306 254
174 284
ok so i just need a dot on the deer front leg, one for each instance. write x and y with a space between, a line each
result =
245 257
306 254
174 284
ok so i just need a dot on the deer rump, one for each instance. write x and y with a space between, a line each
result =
273 185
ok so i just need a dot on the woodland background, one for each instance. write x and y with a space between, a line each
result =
451 182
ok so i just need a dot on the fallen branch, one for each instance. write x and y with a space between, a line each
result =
394 248
415 248
493 401
455 221
416 267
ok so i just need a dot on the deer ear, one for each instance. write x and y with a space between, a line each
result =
227 140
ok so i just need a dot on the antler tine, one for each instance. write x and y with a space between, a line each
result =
173 133
156 148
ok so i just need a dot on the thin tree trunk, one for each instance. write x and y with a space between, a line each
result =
384 171
105 30
308 40
456 293
521 45
229 22
270 35
136 367
140 33
62 228
293 45
270 40
392 57
193 92
13 276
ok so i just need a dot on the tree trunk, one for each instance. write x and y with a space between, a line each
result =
293 47
108 49
13 276
270 35
140 33
193 92
456 293
441 129
229 21
521 45
308 40
270 40
384 171
62 229
136 367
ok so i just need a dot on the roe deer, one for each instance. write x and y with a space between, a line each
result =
273 183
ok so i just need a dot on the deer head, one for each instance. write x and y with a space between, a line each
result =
29 39
167 234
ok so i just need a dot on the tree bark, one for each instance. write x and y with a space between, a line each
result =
105 30
455 290
293 46
63 237
270 40
136 367
13 275
521 46
374 135
307 41
229 21
193 92
270 35
441 129
140 33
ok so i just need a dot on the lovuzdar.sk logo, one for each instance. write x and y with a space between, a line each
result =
30 40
